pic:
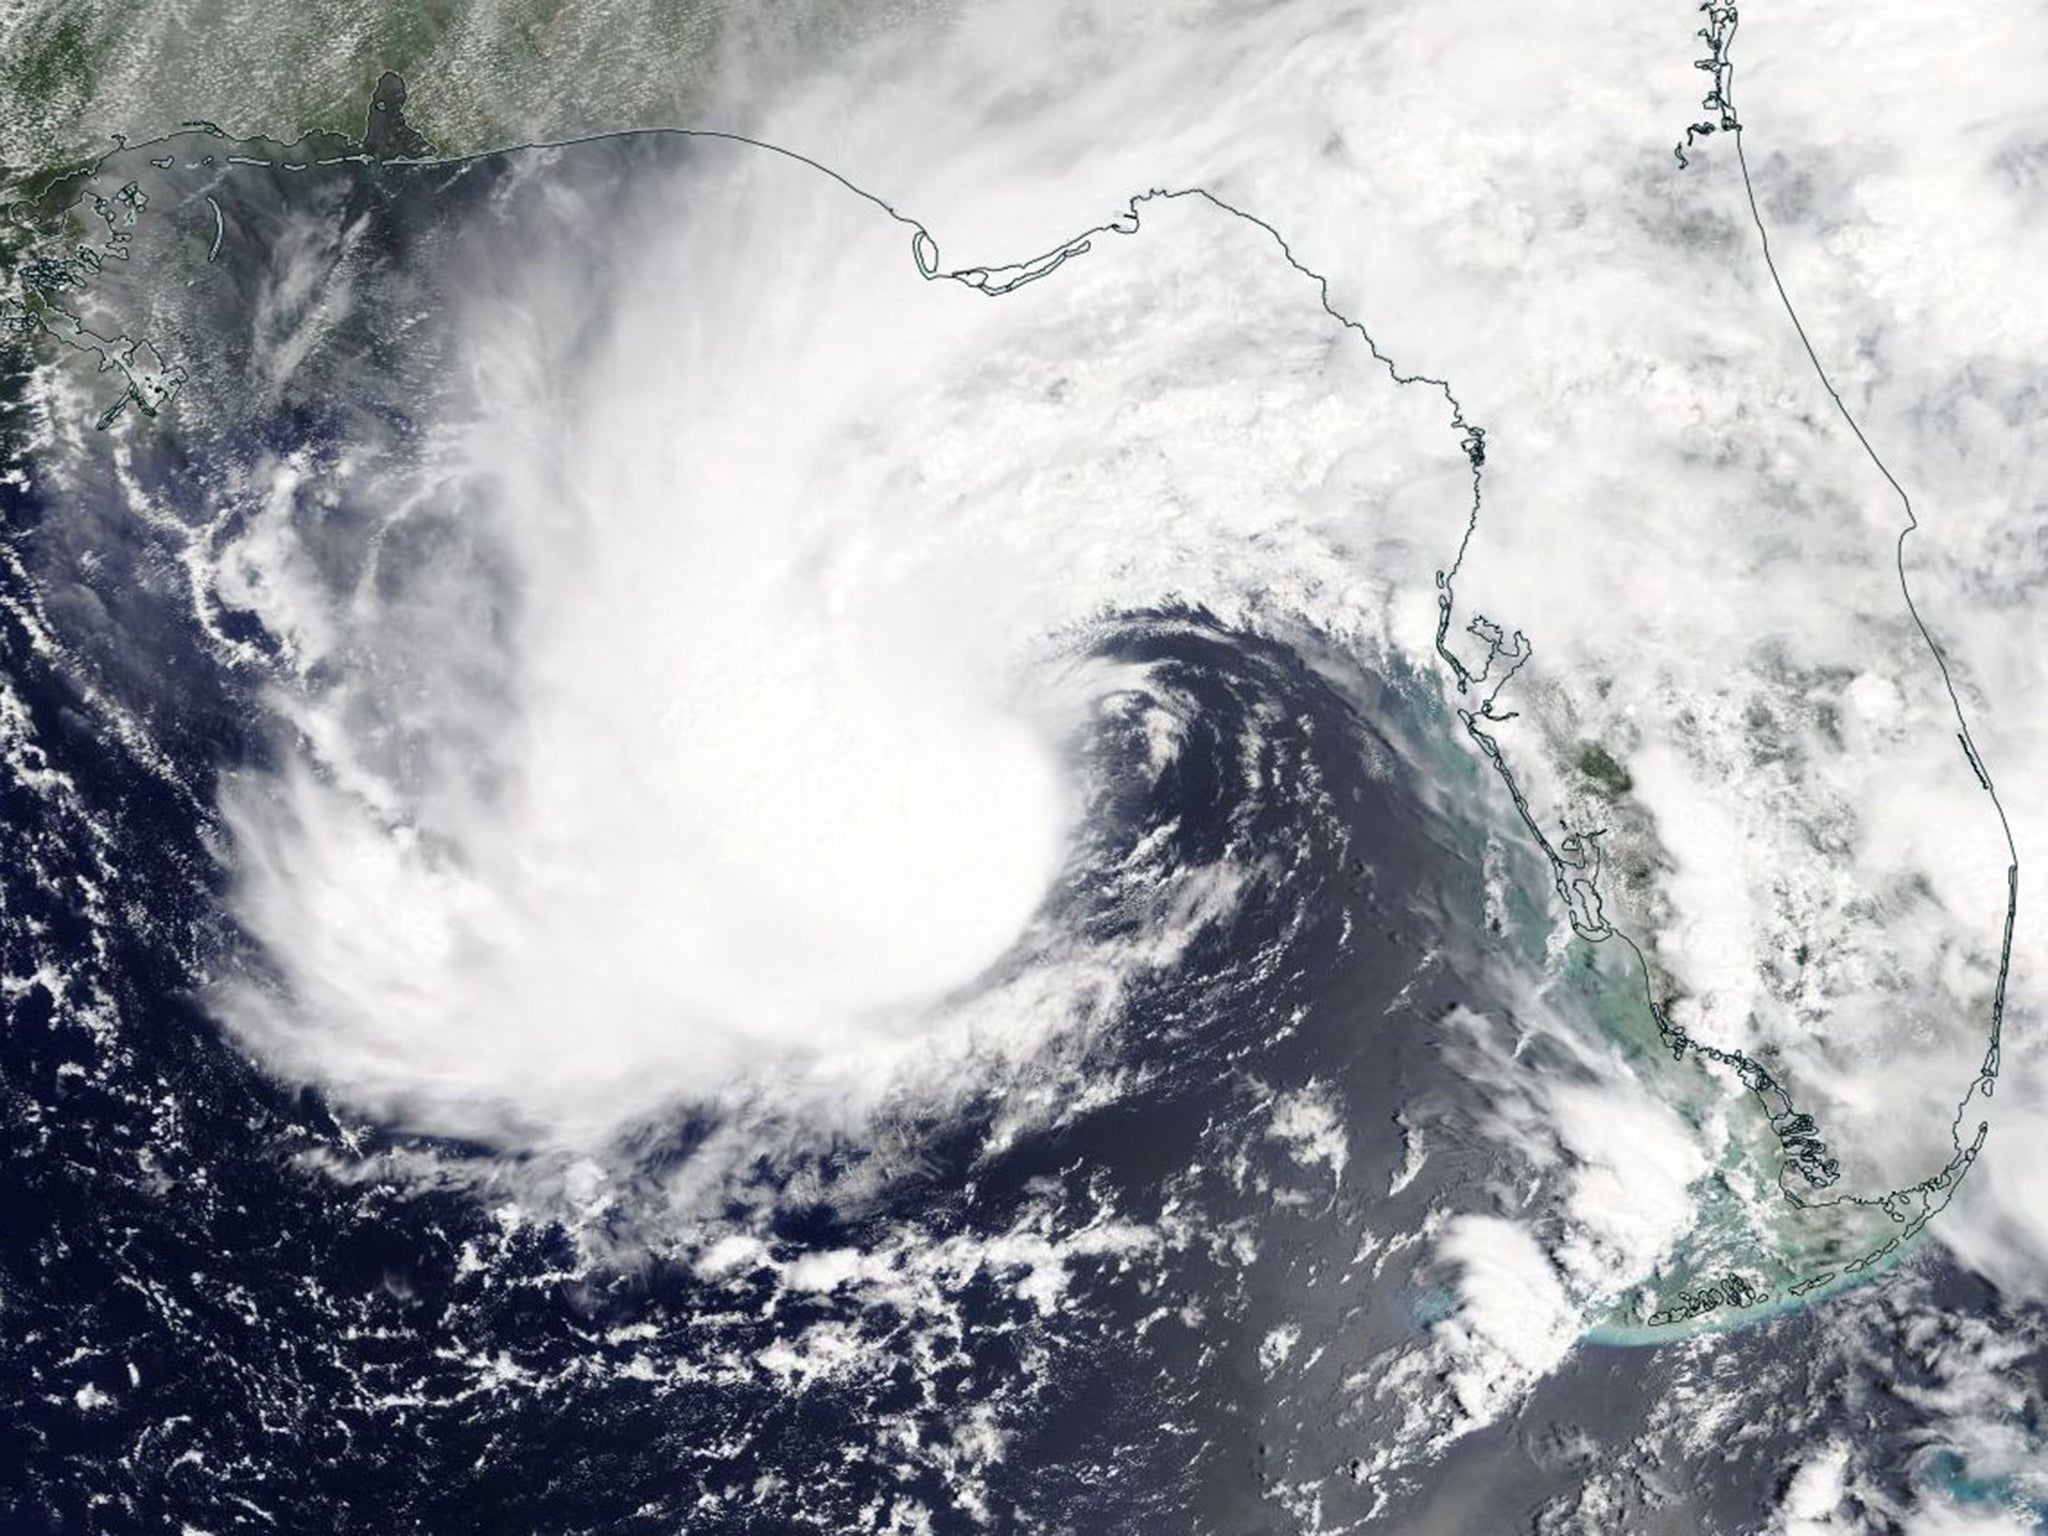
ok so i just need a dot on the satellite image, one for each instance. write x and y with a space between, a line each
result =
1239 767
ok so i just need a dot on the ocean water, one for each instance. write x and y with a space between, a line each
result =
368 1168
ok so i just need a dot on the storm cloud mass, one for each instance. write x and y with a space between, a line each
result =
1154 771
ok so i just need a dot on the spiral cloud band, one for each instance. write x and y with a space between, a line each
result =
732 733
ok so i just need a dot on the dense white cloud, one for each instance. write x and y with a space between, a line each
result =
728 729
1696 544
1698 548
1515 1321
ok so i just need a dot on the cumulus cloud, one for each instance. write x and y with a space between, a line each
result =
1515 1321
1603 1197
1817 1497
1308 1122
